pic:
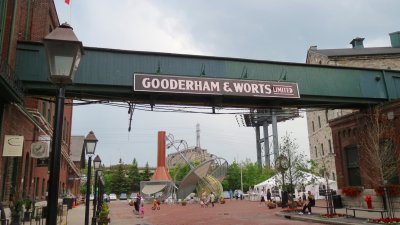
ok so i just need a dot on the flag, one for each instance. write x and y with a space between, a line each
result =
67 1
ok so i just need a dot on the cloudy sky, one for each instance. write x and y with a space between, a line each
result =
255 29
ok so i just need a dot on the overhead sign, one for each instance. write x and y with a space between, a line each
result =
13 145
214 86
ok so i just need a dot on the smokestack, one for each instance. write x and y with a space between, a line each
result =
357 42
161 172
395 39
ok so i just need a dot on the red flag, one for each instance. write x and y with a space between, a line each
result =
67 1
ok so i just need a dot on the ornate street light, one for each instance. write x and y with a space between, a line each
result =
63 53
96 164
90 147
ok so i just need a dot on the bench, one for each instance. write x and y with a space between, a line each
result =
366 210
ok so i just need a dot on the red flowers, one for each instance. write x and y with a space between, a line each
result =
385 220
352 191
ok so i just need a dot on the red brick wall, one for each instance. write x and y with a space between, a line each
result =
344 133
34 19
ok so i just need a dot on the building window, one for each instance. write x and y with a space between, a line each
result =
353 166
49 115
316 152
319 121
44 109
313 127
322 149
326 115
330 146
43 188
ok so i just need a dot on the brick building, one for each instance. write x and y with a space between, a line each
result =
28 117
323 148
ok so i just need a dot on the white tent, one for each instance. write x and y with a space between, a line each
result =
312 183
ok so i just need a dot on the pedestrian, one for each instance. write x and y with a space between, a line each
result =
262 201
141 210
156 205
137 203
269 199
310 203
212 199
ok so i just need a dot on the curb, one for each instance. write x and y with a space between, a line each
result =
314 219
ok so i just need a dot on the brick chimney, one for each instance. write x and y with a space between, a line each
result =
161 172
395 39
357 42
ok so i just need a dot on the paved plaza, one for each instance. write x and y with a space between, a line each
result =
234 212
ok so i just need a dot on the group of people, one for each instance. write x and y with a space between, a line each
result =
306 202
138 206
205 199
266 197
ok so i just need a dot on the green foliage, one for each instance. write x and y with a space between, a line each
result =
103 214
16 208
181 170
146 173
119 180
82 189
134 176
28 204
251 175
294 176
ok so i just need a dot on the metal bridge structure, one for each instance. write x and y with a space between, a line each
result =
108 74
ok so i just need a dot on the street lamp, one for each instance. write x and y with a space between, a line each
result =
282 164
63 53
90 146
96 164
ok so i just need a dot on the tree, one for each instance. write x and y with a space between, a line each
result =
232 179
376 137
293 175
251 175
119 181
146 173
134 176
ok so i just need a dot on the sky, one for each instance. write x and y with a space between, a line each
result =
253 29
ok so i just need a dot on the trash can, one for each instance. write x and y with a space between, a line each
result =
337 201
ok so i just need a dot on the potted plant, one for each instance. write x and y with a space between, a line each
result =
222 200
271 205
103 218
16 208
184 202
27 213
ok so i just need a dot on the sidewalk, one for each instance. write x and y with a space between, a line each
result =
361 217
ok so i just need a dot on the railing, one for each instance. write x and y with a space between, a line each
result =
9 76
38 215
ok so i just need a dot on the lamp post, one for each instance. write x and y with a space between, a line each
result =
100 191
90 146
96 164
63 53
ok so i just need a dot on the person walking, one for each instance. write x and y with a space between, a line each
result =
141 210
269 199
262 201
212 199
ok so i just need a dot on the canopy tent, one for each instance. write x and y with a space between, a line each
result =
311 183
